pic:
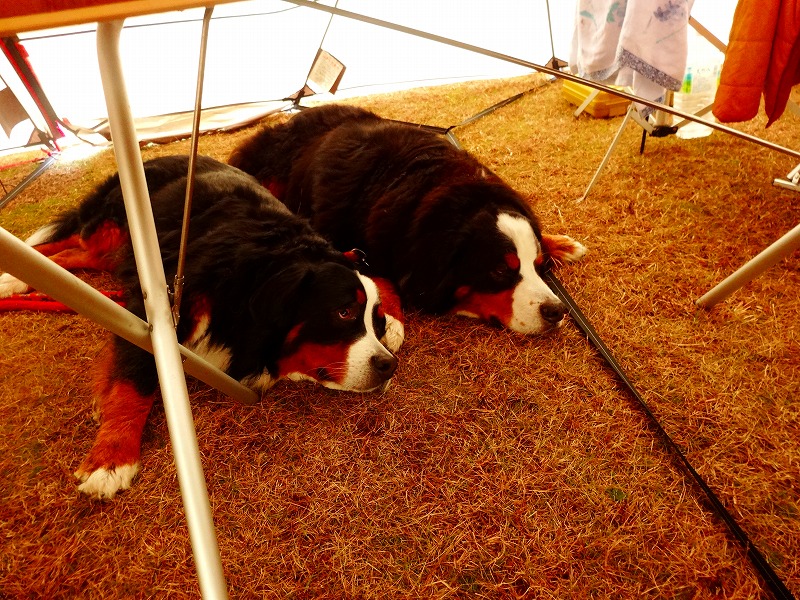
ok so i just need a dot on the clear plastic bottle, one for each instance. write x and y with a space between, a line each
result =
699 87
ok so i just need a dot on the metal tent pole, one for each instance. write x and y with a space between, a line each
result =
767 258
42 274
187 207
542 69
157 306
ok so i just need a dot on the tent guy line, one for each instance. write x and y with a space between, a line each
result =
776 585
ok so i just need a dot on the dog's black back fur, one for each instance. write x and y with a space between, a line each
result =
105 204
405 195
249 260
284 144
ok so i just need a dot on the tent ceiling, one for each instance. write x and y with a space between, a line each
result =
261 50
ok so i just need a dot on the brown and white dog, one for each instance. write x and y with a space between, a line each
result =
450 234
265 298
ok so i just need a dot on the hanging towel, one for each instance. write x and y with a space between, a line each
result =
636 43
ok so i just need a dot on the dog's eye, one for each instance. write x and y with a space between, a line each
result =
346 314
506 269
500 271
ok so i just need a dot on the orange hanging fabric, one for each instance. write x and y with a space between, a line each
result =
763 57
784 64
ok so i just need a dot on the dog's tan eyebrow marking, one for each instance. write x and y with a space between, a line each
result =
512 260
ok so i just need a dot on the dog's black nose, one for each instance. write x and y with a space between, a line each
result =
384 365
553 312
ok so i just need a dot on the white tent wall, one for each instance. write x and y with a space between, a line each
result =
266 54
32 124
386 58
261 50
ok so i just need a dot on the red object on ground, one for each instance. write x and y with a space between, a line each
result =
44 303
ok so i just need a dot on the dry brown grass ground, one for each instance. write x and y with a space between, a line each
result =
496 466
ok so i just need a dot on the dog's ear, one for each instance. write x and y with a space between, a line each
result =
358 258
247 156
262 319
561 248
431 284
273 305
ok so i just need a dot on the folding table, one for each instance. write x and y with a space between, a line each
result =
158 334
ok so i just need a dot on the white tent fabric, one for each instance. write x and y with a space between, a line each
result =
22 120
261 50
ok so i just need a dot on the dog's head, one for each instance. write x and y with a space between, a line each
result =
337 324
497 277
488 264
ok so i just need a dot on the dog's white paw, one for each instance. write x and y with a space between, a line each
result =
103 484
578 251
395 334
10 285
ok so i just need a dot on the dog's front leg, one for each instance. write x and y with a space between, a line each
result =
113 461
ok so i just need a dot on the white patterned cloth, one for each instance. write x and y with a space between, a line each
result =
640 44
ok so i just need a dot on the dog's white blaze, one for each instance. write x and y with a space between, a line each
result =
359 375
103 484
200 344
372 299
531 292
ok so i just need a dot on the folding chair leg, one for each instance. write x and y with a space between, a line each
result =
792 181
159 316
752 269
43 275
592 95
608 153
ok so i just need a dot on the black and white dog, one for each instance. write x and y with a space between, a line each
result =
450 234
265 298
